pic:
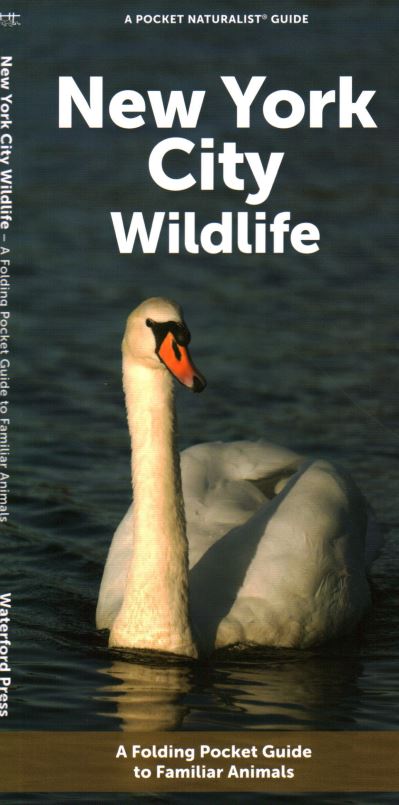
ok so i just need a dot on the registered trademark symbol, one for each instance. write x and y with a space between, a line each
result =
264 16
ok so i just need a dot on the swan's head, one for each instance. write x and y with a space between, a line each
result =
157 336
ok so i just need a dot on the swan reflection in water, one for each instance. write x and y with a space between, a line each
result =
147 697
256 689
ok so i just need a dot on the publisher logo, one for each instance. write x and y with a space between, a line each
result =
9 20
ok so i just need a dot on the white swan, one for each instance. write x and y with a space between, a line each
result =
276 543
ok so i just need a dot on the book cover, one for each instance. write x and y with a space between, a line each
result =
240 160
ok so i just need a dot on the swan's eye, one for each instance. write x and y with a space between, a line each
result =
182 334
179 332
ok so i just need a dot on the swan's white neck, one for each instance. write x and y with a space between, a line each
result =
154 613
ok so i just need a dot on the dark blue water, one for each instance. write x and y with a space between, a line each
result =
301 350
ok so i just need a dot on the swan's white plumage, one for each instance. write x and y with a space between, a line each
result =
277 547
307 579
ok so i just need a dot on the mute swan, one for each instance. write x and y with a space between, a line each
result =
275 542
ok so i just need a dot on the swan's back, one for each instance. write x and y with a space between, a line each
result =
224 484
292 573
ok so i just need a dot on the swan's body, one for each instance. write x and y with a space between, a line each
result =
276 544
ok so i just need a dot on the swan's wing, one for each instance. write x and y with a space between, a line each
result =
205 464
291 575
225 484
115 572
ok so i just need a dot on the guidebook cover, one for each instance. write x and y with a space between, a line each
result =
198 198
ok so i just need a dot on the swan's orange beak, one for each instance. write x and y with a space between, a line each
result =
177 359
